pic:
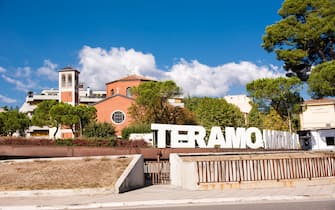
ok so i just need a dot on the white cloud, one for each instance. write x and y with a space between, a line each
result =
23 72
28 85
99 66
2 70
6 100
49 70
201 80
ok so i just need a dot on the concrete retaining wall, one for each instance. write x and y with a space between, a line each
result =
132 177
183 174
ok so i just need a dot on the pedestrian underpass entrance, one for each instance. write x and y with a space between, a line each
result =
157 172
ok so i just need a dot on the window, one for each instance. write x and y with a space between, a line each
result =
330 141
112 92
63 80
128 91
118 117
69 80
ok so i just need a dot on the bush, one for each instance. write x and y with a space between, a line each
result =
64 142
131 144
135 128
99 130
24 141
97 142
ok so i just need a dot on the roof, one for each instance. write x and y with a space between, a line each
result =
68 68
133 77
108 98
320 101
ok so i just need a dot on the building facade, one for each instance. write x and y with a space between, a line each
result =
114 108
318 124
243 102
70 91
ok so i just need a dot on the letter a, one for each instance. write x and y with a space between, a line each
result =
216 138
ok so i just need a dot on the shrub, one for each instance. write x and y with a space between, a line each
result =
97 142
135 128
131 144
64 142
24 141
99 130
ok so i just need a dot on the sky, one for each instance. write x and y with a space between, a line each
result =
209 48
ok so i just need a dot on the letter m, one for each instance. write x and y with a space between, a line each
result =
237 138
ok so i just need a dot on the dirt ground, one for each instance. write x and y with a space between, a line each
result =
62 174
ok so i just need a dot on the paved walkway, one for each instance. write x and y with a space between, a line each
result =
158 195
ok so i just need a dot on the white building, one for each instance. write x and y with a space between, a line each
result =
71 92
242 102
318 123
86 96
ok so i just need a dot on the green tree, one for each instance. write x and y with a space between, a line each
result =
181 116
192 103
215 112
255 117
305 35
273 121
12 121
322 80
41 115
63 114
99 130
280 94
152 104
86 114
135 128
2 126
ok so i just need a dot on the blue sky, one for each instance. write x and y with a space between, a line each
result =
210 48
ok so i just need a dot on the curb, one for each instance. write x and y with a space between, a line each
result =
56 193
232 200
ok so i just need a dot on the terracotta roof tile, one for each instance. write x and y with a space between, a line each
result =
132 78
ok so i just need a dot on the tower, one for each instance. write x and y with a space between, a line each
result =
69 86
68 82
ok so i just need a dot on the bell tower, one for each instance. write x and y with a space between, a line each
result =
68 82
69 86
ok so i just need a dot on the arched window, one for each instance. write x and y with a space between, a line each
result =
118 117
128 91
112 92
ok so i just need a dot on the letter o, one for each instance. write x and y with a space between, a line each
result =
258 141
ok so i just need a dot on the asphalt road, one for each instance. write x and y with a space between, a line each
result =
306 205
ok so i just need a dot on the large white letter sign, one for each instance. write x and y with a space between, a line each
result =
161 133
236 139
258 138
185 136
198 134
216 138
191 136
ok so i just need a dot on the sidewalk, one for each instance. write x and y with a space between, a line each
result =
159 195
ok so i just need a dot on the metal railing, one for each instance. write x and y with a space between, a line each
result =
240 169
157 172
